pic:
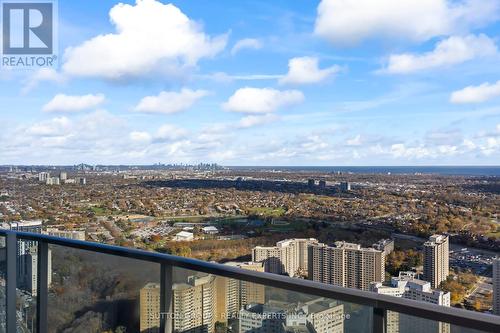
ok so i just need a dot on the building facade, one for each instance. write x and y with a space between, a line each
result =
289 256
195 305
30 281
496 286
386 245
346 264
316 316
236 294
71 234
436 259
149 303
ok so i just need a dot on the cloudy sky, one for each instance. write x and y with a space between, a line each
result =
259 82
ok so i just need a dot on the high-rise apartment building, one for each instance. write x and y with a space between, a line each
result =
345 186
195 307
23 247
201 301
496 286
149 303
289 256
436 260
346 264
63 176
30 278
407 286
236 294
53 181
43 176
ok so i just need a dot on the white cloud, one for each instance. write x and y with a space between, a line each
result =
150 37
469 144
53 127
451 51
170 102
68 103
261 100
246 43
170 132
140 137
82 131
401 150
42 75
351 21
227 78
356 141
305 70
476 94
255 120
491 146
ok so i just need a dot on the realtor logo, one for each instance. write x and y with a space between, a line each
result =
28 30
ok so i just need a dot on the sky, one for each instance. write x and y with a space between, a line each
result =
331 82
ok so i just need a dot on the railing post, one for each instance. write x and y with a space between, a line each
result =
166 323
42 287
11 245
379 320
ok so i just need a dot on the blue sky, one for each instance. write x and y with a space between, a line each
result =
332 82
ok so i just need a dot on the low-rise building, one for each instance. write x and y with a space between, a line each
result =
184 236
407 286
316 316
211 230
71 234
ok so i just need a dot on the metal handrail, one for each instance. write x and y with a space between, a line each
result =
455 316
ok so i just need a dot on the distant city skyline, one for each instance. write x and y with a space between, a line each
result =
259 83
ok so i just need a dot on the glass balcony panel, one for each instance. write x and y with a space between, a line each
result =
402 323
94 292
27 285
210 303
3 281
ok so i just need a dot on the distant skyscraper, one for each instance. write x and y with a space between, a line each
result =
345 186
496 286
289 256
63 176
436 260
346 264
43 176
53 181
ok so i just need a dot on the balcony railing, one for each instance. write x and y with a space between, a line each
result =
369 310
